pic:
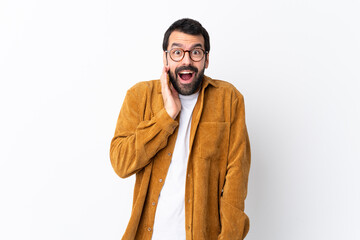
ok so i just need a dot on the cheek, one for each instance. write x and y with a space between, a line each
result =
172 68
172 72
200 66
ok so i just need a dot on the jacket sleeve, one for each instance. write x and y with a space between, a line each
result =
234 222
136 141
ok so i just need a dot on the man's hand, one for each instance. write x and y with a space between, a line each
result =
171 99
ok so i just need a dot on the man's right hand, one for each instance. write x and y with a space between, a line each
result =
170 96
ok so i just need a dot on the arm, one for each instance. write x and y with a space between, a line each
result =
234 222
137 141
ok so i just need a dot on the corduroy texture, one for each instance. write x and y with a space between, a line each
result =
218 165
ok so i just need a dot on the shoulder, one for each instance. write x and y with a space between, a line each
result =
223 87
145 87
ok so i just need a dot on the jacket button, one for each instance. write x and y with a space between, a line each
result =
149 229
160 180
153 203
169 154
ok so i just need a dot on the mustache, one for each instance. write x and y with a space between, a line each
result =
182 68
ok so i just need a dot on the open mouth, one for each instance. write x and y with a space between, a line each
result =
186 75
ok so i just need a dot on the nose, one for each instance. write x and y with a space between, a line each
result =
186 60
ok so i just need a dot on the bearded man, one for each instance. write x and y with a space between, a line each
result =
185 138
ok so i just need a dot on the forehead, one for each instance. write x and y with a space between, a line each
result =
183 40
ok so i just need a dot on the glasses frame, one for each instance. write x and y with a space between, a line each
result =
185 51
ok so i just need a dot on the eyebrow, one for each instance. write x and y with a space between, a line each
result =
180 45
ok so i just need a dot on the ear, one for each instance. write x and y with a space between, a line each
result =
165 61
207 60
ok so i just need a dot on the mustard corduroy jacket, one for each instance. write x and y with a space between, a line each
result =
218 165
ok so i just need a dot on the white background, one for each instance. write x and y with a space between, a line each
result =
65 67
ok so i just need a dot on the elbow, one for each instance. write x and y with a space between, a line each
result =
120 172
119 161
117 164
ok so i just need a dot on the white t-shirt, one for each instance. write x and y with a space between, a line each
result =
170 212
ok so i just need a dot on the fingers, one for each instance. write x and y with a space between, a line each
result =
165 73
164 78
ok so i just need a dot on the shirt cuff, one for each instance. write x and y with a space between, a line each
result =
165 121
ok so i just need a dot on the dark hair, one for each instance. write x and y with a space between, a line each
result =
188 26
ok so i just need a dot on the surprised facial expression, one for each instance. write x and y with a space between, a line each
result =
186 75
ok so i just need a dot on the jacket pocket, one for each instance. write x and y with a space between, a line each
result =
214 140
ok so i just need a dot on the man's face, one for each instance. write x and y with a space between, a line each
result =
186 75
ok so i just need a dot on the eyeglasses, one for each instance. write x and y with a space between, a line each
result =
196 54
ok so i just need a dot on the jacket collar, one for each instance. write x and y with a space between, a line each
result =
208 80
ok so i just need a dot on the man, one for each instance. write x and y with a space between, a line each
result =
187 143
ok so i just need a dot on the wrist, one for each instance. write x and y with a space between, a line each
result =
173 114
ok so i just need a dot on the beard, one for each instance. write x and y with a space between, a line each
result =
190 88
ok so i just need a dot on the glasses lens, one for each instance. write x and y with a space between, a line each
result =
197 54
176 54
